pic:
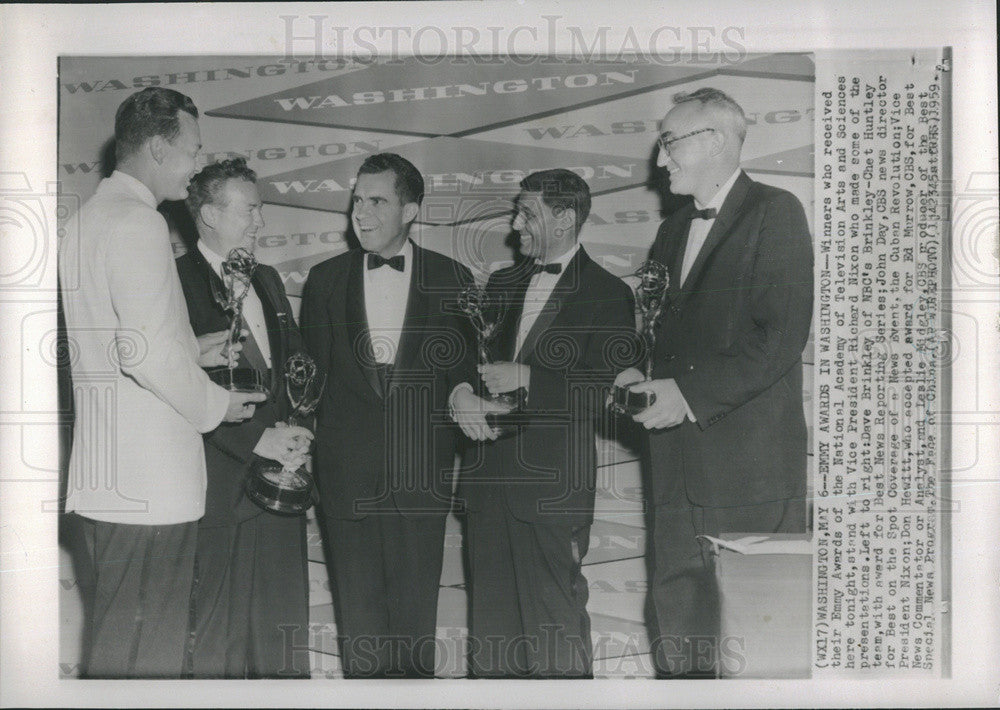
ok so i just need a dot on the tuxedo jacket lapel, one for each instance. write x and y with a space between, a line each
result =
357 323
212 282
721 228
675 257
508 312
415 320
567 285
276 322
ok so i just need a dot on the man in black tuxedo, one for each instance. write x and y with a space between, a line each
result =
727 433
531 495
250 597
381 322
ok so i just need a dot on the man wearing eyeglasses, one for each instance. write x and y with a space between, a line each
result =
727 432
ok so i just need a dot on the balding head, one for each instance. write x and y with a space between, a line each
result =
720 110
700 142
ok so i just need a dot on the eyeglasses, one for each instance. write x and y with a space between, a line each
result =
665 143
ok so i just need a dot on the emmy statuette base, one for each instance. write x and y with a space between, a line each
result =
507 424
273 489
627 402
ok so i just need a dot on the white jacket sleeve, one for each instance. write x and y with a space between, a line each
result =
156 346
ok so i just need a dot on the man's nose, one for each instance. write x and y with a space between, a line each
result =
662 157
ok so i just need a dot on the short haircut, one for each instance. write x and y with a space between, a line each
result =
723 106
206 187
409 182
147 113
561 189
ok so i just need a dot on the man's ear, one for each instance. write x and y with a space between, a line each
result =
410 211
157 146
717 143
567 220
209 214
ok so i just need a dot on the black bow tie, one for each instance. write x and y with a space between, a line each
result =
394 262
547 268
707 213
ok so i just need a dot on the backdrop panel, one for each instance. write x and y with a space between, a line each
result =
474 128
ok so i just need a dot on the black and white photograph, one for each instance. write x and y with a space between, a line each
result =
418 350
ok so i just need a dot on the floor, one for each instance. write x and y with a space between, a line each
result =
614 568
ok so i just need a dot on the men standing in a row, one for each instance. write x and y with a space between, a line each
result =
727 439
376 321
250 599
137 469
531 495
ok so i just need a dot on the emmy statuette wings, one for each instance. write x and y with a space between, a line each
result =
229 292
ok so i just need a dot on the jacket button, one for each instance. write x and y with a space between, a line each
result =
669 356
690 367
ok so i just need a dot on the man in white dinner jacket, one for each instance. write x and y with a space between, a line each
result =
137 469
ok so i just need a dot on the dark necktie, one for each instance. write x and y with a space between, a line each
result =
251 351
394 262
547 268
707 213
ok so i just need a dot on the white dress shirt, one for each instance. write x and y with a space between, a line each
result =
536 298
253 309
141 399
697 234
700 228
386 294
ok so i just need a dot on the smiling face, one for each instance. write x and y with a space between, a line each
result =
235 219
688 159
546 232
381 219
178 158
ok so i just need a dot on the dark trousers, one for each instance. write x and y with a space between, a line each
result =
250 603
386 572
684 590
529 597
138 609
